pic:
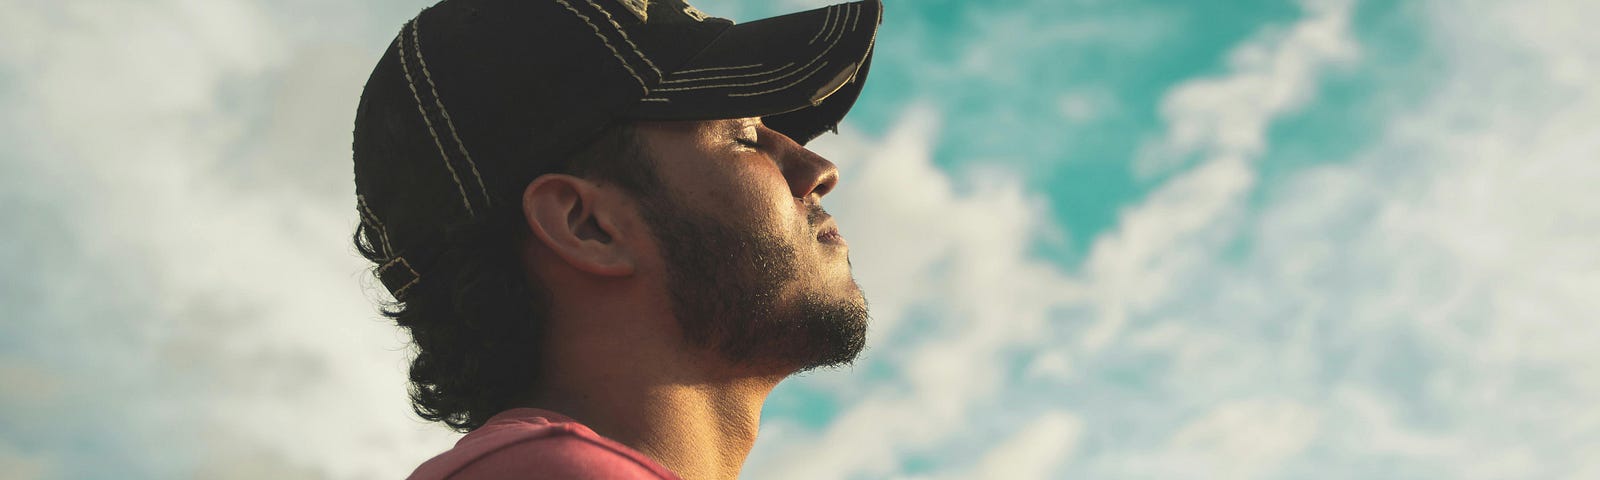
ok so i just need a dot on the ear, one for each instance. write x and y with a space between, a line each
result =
578 221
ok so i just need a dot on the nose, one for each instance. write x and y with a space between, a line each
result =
809 175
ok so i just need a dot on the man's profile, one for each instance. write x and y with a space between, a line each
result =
602 230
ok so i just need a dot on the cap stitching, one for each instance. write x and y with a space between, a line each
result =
654 100
415 277
751 84
742 75
828 20
707 69
791 84
639 8
416 42
625 38
614 52
843 18
802 68
366 214
412 84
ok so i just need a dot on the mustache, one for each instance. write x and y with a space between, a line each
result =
815 215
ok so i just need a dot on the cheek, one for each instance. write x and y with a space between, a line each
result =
771 200
755 197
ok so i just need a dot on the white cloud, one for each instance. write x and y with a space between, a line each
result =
1224 120
192 170
1242 439
917 240
1085 105
22 466
965 256
1267 77
1420 311
1035 452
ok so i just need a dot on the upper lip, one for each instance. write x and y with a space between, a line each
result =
828 226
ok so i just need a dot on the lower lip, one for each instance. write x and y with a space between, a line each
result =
831 237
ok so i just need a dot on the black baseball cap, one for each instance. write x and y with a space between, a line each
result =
476 98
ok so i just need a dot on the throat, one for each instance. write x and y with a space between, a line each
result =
699 431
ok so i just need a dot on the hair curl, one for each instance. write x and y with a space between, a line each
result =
477 323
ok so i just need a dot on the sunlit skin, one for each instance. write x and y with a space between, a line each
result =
743 173
622 365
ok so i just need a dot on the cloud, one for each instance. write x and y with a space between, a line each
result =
1412 312
1035 451
961 250
1384 307
192 156
920 239
22 466
1084 105
1242 439
1268 76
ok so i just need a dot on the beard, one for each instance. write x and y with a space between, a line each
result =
726 285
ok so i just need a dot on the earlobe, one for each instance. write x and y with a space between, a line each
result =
571 217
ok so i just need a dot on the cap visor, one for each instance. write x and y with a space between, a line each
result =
774 66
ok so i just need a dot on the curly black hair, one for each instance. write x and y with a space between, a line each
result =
477 323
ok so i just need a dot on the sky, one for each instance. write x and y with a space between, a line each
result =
1135 239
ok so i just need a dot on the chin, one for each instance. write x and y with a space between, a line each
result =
835 328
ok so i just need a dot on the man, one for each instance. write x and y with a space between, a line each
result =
602 230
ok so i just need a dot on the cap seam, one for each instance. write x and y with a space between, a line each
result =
833 43
791 84
724 77
702 50
827 20
624 34
383 232
366 213
708 69
416 39
614 53
412 84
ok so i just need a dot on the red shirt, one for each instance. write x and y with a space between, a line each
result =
530 444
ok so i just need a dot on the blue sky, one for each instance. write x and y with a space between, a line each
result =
1134 239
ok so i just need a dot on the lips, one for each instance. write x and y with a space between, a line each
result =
830 234
827 230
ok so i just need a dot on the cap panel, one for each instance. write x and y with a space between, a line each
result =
598 16
434 115
528 81
672 36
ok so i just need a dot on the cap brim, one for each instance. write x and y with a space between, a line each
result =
802 71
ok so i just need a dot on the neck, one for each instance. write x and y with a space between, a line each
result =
686 411
699 431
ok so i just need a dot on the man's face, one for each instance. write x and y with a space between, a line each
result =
756 269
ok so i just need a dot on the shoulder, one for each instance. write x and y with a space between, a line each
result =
539 449
559 456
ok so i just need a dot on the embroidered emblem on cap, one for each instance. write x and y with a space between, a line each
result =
694 13
637 7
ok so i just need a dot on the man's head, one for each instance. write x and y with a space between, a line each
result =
523 162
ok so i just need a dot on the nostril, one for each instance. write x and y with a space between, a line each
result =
825 184
823 188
